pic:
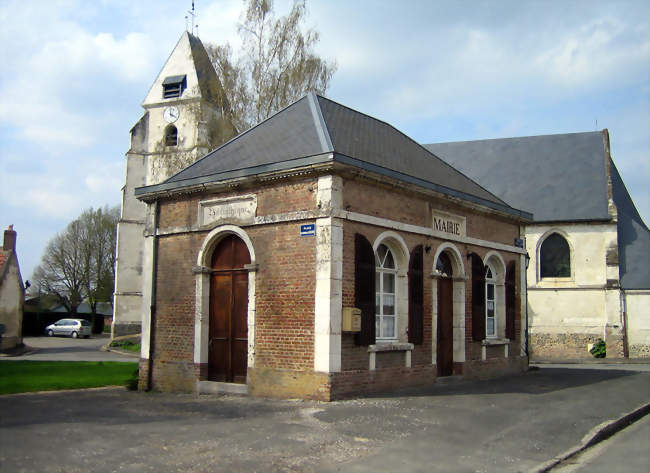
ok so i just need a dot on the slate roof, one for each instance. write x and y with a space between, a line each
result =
316 130
559 178
633 238
538 173
209 83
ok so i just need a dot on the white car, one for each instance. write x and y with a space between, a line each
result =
70 327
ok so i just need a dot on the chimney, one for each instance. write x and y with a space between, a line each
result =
10 239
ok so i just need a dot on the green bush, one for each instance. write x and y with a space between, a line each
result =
599 350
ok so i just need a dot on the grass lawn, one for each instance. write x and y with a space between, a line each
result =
28 376
127 345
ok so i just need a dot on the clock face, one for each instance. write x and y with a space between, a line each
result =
171 114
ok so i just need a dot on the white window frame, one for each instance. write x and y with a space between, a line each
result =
379 294
491 281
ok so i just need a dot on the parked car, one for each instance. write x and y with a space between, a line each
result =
70 327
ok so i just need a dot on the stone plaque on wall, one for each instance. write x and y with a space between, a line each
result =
235 210
449 224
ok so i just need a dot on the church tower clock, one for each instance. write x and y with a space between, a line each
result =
186 115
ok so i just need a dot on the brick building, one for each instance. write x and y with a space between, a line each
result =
256 255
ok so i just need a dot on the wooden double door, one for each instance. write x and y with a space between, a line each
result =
228 343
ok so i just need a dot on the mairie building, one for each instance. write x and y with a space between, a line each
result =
324 254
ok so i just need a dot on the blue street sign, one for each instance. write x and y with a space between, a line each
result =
308 229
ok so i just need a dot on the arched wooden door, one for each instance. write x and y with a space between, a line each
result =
228 344
445 335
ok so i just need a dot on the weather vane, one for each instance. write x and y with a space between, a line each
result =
192 18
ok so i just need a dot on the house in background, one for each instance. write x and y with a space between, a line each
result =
12 293
589 271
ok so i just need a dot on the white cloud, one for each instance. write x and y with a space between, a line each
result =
599 50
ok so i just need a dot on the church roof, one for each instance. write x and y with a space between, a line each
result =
316 130
633 238
189 60
538 173
559 178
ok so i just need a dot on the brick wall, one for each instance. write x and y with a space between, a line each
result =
285 292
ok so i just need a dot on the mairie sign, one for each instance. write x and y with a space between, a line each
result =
449 224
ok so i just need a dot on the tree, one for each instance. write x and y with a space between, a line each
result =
277 64
79 263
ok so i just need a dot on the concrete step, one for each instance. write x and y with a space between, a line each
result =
216 387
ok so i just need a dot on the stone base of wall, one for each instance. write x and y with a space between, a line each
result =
126 328
561 345
169 376
639 351
270 382
143 374
495 367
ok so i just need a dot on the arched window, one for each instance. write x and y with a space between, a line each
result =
490 302
385 286
171 136
555 257
443 265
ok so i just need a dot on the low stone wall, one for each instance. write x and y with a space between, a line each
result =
639 351
561 345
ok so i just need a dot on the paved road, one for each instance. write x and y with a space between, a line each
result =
69 349
625 452
508 425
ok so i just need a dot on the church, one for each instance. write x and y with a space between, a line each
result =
321 254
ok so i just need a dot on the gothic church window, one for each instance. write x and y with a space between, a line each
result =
555 257
174 86
171 136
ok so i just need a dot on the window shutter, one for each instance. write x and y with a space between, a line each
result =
416 296
511 300
364 288
478 298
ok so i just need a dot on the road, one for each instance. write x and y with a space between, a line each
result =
69 349
511 424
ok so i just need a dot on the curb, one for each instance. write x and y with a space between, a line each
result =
106 348
599 433
593 361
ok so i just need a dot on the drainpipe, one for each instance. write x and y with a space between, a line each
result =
152 308
626 345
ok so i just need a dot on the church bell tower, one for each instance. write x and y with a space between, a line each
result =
186 115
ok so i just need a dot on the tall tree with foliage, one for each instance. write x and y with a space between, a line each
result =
276 66
79 262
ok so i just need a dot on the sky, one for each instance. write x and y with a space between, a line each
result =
75 73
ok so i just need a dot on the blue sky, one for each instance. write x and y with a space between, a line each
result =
76 72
